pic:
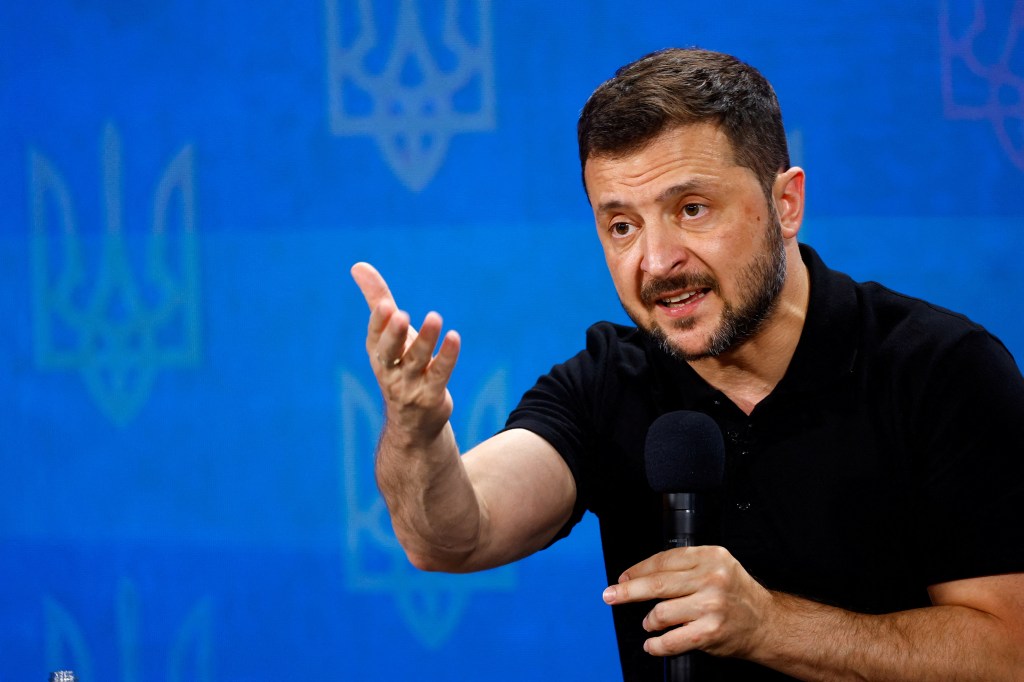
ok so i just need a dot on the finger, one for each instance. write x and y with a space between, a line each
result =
380 300
682 610
418 353
441 367
680 559
666 574
679 640
664 585
391 345
378 320
676 559
371 284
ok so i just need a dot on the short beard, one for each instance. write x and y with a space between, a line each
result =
764 278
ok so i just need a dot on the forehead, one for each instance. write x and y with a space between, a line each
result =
700 150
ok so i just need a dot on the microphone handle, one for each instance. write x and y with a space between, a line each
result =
681 524
683 516
680 668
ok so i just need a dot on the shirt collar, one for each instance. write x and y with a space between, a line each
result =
825 353
828 344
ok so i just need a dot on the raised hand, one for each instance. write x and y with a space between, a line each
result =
413 381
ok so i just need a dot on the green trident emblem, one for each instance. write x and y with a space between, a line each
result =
93 312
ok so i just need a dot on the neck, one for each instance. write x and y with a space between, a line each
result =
748 373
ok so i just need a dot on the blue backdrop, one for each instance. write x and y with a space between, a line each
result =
187 418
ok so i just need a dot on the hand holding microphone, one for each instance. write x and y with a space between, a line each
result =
685 458
707 599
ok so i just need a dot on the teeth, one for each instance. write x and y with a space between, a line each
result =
680 298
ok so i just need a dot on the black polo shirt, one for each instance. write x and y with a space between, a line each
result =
890 456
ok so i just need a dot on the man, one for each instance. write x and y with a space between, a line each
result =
869 522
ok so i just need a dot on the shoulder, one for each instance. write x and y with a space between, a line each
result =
608 347
904 312
938 368
902 345
615 342
911 328
878 315
614 369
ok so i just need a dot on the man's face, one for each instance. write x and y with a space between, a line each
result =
694 250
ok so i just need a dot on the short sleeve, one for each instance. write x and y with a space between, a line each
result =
972 478
563 408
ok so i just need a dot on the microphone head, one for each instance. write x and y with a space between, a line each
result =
684 453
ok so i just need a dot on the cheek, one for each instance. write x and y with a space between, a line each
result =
755 221
745 236
623 272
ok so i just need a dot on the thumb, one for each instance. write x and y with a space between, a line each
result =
371 284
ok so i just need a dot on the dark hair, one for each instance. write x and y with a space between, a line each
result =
682 86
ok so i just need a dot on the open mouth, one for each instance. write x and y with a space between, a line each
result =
683 299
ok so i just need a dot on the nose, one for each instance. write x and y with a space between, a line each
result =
663 251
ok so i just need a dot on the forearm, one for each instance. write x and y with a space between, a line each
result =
440 503
815 642
434 508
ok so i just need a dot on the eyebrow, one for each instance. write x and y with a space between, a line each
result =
666 194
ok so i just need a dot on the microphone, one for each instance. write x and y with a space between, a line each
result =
685 457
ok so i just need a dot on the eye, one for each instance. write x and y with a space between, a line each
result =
620 230
694 210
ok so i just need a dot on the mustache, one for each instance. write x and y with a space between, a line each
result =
655 289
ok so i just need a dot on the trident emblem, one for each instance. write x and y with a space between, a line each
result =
431 604
1001 91
91 312
189 658
411 106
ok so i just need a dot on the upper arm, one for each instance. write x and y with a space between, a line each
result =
526 494
999 596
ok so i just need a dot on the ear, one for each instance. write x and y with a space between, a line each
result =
788 193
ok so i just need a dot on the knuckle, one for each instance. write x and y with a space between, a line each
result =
678 640
656 617
714 605
658 584
714 632
715 625
719 577
657 646
694 638
719 553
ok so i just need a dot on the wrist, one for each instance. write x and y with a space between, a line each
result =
798 632
409 434
762 642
